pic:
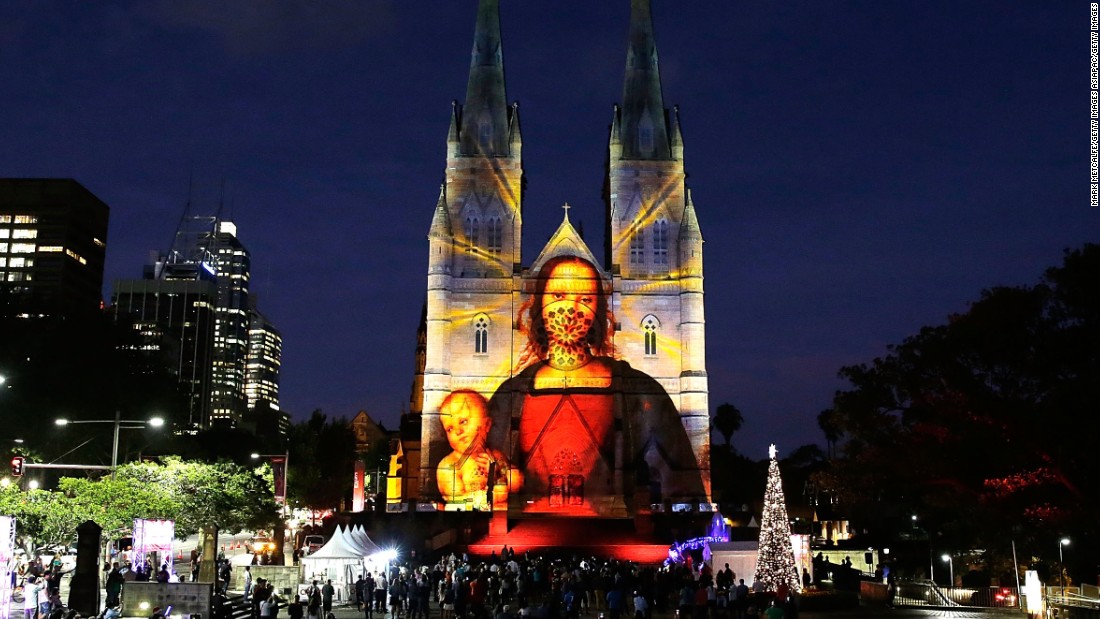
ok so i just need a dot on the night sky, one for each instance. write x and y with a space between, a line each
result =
859 169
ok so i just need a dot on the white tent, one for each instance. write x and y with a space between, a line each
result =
358 539
337 561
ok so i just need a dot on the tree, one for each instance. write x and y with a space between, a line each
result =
322 456
727 420
830 427
984 426
193 494
775 564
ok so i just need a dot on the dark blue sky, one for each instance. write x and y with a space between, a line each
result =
859 169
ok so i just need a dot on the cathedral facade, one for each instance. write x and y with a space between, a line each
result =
574 385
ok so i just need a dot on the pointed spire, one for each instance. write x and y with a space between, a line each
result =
689 223
644 128
441 222
676 140
452 131
515 137
484 126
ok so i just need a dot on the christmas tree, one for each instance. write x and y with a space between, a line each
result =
775 556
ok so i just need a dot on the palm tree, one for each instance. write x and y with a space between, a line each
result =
727 420
830 425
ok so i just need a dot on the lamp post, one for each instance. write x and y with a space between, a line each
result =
119 424
950 567
1061 566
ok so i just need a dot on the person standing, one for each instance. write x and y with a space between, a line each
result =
360 589
30 596
247 582
368 596
114 585
327 592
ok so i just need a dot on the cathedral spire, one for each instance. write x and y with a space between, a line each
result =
484 128
644 131
441 223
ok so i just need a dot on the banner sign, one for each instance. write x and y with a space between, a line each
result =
358 496
278 473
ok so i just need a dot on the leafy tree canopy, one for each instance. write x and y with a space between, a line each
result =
985 426
193 494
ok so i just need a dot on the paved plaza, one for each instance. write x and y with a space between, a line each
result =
866 612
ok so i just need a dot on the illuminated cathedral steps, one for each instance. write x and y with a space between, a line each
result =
599 537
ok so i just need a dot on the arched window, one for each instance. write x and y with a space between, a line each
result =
650 327
495 229
637 246
473 231
481 335
660 242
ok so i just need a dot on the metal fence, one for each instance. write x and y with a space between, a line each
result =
928 593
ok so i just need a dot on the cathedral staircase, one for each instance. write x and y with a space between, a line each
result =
614 538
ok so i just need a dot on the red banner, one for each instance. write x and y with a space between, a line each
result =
278 472
358 500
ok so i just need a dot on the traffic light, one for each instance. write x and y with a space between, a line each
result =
17 466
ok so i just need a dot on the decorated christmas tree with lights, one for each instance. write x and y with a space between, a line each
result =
775 558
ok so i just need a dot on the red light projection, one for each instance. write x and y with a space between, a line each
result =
575 431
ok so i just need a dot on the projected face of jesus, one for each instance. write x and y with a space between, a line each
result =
568 312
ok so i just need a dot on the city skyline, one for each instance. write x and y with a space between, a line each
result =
858 172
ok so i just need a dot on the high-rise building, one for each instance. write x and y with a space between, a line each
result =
229 354
53 240
233 265
175 320
265 357
569 386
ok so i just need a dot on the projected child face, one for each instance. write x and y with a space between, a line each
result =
568 311
465 421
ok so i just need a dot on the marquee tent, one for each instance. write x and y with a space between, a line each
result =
338 561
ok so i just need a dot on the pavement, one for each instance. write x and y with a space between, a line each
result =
863 612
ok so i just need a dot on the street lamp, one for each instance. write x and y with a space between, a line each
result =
950 567
1061 566
120 424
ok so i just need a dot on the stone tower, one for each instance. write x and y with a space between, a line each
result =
474 239
564 386
653 244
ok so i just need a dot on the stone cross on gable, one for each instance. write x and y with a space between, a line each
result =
565 207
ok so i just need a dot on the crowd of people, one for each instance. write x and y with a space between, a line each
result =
509 586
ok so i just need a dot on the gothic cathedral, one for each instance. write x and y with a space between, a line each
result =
575 385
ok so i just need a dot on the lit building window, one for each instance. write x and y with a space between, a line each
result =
660 242
650 327
5 233
18 262
481 335
22 248
50 248
75 256
24 233
26 219
5 219
3 248
15 277
637 247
